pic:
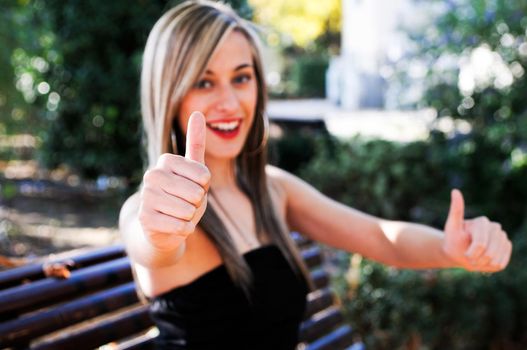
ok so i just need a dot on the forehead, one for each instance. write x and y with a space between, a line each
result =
231 52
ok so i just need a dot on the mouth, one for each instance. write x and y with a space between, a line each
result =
225 128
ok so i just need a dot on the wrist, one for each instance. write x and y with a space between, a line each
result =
448 258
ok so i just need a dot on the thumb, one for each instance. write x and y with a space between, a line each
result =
195 148
456 214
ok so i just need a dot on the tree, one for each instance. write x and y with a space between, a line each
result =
476 53
25 56
302 20
96 129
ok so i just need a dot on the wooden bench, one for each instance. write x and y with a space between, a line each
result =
97 305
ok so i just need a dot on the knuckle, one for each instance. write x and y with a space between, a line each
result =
190 227
163 159
147 177
495 226
151 176
480 246
179 226
204 176
167 160
198 195
496 261
146 196
189 212
486 256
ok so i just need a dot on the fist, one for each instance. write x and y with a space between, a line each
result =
174 192
477 244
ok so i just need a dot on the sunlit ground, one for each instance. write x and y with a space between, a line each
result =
44 212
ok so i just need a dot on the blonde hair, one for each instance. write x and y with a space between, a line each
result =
175 56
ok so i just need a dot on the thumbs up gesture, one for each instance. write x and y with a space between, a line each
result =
477 244
174 193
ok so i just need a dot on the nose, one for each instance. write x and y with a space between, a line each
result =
227 101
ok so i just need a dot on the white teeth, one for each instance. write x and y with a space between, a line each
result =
225 126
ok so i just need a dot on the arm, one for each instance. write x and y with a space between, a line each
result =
475 245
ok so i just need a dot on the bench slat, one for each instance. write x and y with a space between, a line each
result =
319 324
22 330
50 290
20 275
312 256
143 342
300 240
318 301
320 278
102 333
339 339
102 283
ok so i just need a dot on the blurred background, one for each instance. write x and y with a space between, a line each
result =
382 105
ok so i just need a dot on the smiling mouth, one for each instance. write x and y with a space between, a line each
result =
225 128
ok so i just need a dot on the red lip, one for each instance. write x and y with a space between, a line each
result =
230 134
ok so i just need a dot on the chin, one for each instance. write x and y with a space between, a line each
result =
225 155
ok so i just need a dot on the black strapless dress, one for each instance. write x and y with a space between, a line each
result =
213 313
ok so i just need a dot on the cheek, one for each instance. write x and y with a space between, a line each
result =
182 119
249 101
188 105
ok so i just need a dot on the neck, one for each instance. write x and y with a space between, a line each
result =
223 173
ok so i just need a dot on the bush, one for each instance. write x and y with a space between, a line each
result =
308 76
449 309
100 43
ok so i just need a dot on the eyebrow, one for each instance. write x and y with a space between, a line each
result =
240 67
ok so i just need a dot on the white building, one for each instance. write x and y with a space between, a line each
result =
359 77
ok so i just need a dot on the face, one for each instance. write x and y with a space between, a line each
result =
226 94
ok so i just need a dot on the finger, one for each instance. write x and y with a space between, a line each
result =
497 248
159 224
195 147
181 187
480 239
477 245
175 207
178 165
456 214
199 212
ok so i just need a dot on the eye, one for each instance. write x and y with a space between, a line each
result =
203 84
242 78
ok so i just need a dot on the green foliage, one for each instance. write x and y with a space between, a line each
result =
97 126
92 51
25 53
451 309
492 96
308 75
296 147
374 175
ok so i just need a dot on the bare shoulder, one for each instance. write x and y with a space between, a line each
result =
284 180
277 176
277 180
129 211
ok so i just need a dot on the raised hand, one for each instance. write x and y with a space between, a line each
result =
477 244
174 193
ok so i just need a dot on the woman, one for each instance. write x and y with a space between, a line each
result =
208 231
